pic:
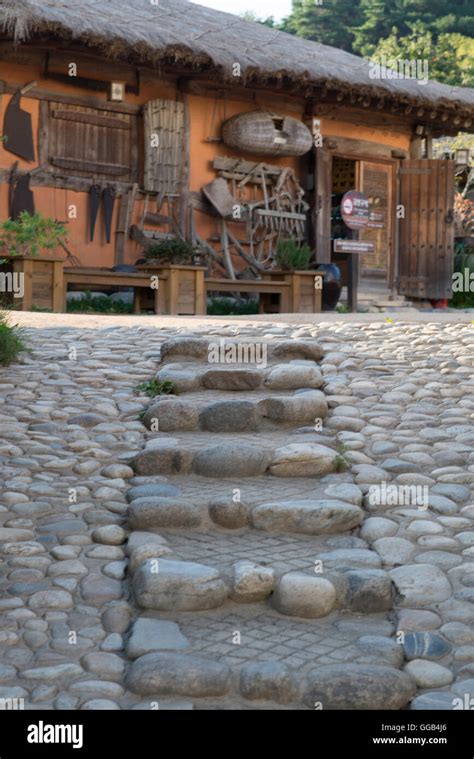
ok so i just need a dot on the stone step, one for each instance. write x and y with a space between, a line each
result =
190 377
170 414
169 585
221 460
251 351
328 687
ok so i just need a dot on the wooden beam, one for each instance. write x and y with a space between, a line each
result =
358 148
88 101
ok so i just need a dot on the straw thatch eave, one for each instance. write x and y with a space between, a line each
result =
197 39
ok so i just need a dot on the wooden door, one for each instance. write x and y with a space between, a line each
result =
376 182
322 205
426 233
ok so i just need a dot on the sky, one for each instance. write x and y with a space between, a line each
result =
263 8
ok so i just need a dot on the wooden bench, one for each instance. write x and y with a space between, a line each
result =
259 287
96 279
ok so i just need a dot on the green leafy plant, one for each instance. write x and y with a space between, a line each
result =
154 387
30 235
11 342
292 257
103 304
229 307
170 251
463 261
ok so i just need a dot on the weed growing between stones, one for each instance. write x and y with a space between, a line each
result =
154 387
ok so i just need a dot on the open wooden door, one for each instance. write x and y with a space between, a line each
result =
322 205
426 233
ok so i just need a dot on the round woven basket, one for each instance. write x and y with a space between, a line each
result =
265 133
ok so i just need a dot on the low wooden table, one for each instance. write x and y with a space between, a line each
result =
257 286
95 279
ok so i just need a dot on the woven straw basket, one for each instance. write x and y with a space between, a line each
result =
265 133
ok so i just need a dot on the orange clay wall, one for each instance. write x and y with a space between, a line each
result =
206 116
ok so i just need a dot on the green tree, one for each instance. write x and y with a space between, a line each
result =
450 57
435 16
332 22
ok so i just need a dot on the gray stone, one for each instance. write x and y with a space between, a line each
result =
51 599
187 348
307 517
108 666
178 586
86 420
421 585
231 379
99 704
221 461
358 687
164 459
110 535
458 493
345 492
12 535
267 681
293 376
301 595
150 635
171 414
381 650
394 551
303 460
425 645
296 349
116 617
229 416
428 674
153 490
177 512
434 701
364 590
228 513
375 528
54 674
251 582
98 588
418 619
297 409
177 675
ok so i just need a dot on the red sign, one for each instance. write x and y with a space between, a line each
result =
355 209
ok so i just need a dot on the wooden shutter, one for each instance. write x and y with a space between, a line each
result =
322 211
164 146
88 142
427 232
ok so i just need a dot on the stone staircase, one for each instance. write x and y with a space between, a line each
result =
252 583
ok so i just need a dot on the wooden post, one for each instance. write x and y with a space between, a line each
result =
200 307
173 291
58 286
353 281
27 266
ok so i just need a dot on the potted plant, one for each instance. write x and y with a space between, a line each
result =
31 277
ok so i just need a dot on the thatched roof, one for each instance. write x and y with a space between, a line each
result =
190 35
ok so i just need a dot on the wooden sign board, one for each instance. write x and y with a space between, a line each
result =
353 246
